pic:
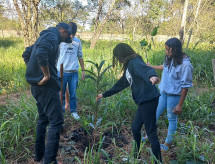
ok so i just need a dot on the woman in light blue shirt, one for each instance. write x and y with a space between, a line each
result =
176 79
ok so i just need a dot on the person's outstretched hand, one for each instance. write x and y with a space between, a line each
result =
99 96
148 64
154 80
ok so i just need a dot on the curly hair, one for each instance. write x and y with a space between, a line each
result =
177 53
122 53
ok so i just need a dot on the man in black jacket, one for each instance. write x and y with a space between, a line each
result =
41 73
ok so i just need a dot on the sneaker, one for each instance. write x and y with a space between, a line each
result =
127 160
145 138
164 148
75 115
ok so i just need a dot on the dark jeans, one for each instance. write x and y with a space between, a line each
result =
146 114
50 113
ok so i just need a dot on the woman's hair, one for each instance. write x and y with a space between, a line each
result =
122 53
177 53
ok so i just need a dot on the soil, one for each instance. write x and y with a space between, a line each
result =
75 139
13 97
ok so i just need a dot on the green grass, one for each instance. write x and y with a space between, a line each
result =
12 70
17 130
193 141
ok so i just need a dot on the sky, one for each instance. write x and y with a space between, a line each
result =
84 2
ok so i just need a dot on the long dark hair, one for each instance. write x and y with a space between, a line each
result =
122 53
177 53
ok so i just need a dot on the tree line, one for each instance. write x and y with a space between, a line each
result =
133 17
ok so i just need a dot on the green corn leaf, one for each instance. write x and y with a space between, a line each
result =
92 73
90 77
150 46
143 43
103 72
95 64
100 66
154 31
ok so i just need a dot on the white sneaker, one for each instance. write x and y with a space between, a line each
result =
75 115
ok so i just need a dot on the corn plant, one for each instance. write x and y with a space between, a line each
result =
96 74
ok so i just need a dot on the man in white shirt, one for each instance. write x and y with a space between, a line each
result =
70 55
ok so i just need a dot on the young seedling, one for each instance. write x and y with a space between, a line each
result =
96 74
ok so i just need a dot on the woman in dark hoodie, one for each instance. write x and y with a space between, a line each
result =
141 78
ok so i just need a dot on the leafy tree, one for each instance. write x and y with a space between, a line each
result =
53 11
28 12
102 16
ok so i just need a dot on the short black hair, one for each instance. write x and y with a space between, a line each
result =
74 27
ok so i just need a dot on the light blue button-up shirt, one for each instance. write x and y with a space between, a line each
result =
175 78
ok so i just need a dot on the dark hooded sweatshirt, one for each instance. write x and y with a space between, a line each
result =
42 53
137 74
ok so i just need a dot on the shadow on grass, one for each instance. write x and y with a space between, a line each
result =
6 42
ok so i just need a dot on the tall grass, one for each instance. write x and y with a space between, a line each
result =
17 129
12 67
18 120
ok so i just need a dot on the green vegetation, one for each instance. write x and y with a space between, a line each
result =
194 140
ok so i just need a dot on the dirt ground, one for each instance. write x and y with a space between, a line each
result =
13 97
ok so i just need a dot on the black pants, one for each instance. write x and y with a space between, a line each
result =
146 114
50 113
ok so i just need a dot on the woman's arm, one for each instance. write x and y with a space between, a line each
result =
121 84
156 67
178 108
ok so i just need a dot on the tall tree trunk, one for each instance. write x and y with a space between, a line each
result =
28 17
183 22
100 27
191 30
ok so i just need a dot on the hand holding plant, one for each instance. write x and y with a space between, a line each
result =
148 64
99 96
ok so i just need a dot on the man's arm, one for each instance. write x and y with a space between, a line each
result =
81 61
45 70
27 54
48 45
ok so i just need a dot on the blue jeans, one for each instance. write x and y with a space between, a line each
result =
50 113
72 80
168 102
